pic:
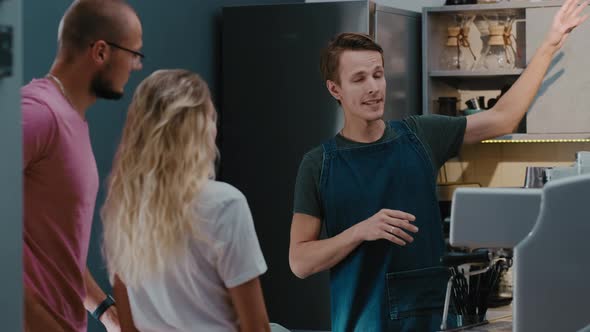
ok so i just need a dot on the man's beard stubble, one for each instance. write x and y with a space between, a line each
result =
101 87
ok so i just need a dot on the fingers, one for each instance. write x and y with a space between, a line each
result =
565 7
400 223
399 214
569 6
399 233
573 19
392 238
570 13
394 224
578 10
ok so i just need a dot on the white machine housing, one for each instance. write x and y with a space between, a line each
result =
549 229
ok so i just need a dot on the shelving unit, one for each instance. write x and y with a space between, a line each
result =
494 6
541 138
557 115
474 73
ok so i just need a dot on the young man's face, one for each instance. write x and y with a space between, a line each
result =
361 90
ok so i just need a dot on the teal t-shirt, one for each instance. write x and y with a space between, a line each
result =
442 136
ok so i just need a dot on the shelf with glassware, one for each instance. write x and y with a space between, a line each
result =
475 73
473 53
498 6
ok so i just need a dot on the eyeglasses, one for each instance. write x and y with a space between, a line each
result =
137 56
136 53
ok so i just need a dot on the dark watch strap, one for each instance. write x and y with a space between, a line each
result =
102 307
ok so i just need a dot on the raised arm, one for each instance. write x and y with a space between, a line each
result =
504 117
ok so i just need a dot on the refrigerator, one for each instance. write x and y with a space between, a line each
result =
275 107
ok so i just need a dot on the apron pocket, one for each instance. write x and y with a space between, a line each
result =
418 292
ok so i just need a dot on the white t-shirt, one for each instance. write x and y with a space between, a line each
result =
193 293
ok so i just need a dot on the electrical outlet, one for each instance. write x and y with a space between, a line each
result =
5 51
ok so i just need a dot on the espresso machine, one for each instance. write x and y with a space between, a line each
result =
547 227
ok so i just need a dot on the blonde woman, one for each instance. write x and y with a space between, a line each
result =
180 248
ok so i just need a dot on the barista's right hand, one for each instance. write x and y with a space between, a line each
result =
391 225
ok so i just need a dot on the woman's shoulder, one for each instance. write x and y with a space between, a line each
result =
221 191
220 207
218 195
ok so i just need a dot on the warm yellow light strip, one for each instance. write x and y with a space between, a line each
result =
572 140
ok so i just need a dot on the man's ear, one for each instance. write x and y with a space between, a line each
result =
99 51
334 89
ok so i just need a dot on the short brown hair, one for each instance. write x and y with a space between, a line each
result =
348 41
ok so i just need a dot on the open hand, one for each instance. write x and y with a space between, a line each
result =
389 225
565 20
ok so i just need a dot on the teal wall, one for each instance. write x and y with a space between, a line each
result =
11 177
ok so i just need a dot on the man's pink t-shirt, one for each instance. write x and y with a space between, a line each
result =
60 186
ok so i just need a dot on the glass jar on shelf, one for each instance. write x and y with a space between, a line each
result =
451 56
456 52
499 53
497 56
482 25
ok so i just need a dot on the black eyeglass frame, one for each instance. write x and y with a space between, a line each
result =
136 53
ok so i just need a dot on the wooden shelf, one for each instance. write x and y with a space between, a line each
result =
472 73
510 5
542 138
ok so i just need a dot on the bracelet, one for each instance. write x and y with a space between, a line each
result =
102 307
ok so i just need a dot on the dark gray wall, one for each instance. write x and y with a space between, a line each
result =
183 35
275 109
11 177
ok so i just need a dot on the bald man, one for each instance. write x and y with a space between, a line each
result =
99 44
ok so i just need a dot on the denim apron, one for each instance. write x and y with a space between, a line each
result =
381 286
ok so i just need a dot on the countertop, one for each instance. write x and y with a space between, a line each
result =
500 320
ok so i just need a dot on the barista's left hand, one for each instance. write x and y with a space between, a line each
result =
565 20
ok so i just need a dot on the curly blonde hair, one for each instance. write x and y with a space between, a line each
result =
166 155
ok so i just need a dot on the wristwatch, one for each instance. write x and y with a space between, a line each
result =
102 307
